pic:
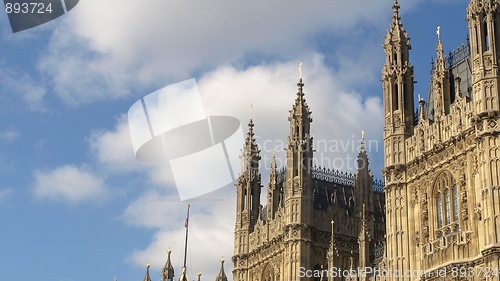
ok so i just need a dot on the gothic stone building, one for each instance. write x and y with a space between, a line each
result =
313 219
442 177
441 213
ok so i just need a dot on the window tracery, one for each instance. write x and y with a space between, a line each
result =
446 205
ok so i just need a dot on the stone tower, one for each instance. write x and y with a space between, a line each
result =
397 82
442 166
292 238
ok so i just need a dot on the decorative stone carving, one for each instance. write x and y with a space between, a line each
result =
425 231
478 211
465 215
425 215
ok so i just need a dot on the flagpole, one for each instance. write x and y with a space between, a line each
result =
186 224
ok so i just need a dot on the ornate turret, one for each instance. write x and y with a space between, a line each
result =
248 189
249 183
273 191
167 273
397 81
299 158
484 20
440 90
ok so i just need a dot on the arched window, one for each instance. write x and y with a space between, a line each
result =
446 205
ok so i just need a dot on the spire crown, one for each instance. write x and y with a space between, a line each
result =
147 277
397 32
168 270
300 108
439 46
222 275
363 141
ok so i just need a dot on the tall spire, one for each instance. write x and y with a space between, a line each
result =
440 83
299 158
300 107
168 270
248 187
146 277
439 51
222 275
332 240
252 152
363 183
273 194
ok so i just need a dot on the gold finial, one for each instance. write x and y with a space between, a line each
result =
199 273
438 32
148 265
300 70
222 260
189 206
169 250
362 135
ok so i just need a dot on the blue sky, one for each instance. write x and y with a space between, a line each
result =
74 202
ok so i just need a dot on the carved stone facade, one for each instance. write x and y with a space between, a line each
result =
314 219
442 168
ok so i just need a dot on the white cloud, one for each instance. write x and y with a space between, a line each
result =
113 149
339 116
107 50
6 193
10 134
210 233
21 84
69 184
